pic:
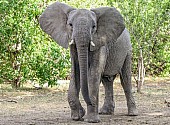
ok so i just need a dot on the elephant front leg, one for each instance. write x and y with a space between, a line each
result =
77 111
109 105
92 108
97 63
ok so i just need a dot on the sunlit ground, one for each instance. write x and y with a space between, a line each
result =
31 106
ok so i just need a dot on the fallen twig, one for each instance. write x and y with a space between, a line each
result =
8 101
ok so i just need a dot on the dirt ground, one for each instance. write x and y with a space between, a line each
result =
28 106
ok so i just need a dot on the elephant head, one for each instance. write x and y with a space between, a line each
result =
88 30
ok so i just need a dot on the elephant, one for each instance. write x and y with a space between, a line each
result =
100 48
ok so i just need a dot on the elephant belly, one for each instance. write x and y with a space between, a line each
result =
117 53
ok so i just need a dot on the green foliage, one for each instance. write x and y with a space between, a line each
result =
39 59
148 23
29 54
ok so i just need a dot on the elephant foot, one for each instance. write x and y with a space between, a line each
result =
93 119
77 115
107 110
92 114
132 111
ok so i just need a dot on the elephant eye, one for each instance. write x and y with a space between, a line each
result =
71 24
93 29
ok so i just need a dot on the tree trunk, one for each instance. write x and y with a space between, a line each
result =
141 72
16 65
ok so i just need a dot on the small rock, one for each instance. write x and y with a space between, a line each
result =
167 102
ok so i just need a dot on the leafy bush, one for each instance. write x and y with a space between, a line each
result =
148 23
29 54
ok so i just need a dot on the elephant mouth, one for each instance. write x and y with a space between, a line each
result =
83 45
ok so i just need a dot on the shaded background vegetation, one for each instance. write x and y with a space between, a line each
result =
26 53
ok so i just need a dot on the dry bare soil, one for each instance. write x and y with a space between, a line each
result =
28 106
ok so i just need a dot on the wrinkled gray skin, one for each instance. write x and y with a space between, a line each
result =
100 48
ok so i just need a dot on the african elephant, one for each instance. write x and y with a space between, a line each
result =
100 48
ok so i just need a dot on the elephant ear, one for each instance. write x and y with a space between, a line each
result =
110 25
53 21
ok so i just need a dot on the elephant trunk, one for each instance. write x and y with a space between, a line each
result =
83 65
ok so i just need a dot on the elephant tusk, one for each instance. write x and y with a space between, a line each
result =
92 43
72 42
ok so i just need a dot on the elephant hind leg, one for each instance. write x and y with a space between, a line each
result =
109 105
125 77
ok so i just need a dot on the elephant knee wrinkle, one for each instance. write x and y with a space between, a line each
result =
108 78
